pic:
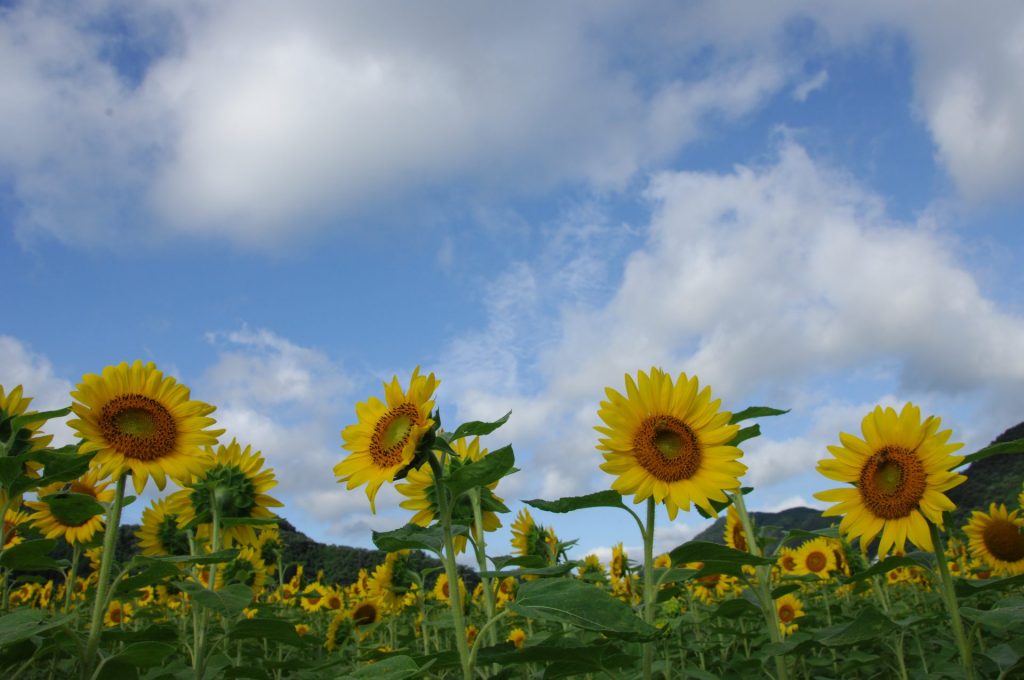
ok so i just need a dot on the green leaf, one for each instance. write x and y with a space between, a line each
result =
31 556
478 428
62 465
73 509
213 558
967 587
154 633
153 573
144 654
756 412
870 624
599 499
1002 618
413 537
1004 657
24 623
22 421
733 609
528 561
828 532
487 470
784 590
553 570
1016 446
582 605
391 668
266 629
744 434
879 568
714 553
229 600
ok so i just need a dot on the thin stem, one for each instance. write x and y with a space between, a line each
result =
649 590
481 559
106 564
949 595
488 628
72 577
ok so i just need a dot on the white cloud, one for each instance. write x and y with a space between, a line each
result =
19 365
812 84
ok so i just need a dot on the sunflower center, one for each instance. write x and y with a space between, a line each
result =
391 434
738 539
816 562
788 562
892 482
138 427
364 614
786 613
1004 540
115 615
667 448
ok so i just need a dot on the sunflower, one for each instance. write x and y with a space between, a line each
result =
592 569
815 558
899 471
52 522
12 520
385 439
334 600
247 568
13 404
788 608
517 636
268 542
313 597
382 586
366 613
442 591
422 496
787 561
160 533
620 562
734 536
529 538
141 422
996 539
118 613
337 630
669 441
235 477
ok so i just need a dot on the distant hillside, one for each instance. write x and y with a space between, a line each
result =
773 524
993 480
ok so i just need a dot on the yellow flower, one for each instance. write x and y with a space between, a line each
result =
517 636
247 568
663 561
236 477
141 422
268 543
787 561
302 629
118 613
788 608
12 520
312 599
669 441
899 472
13 404
385 439
995 538
620 561
53 525
422 498
160 533
734 536
442 591
815 557
592 569
529 538
365 613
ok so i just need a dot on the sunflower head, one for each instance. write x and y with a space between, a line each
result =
247 568
788 609
517 636
530 538
13 519
118 613
28 438
815 557
667 439
366 612
57 515
996 538
160 533
899 473
734 536
139 421
384 440
268 542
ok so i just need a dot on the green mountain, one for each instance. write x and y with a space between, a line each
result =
772 524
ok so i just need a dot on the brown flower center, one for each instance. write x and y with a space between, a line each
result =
892 482
115 615
786 613
667 448
138 427
364 614
392 433
788 562
1004 540
816 561
738 539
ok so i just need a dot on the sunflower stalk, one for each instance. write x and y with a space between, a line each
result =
72 576
764 582
481 559
448 558
106 564
949 595
649 589
199 659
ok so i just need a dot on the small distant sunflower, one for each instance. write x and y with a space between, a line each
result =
734 536
141 422
517 636
815 558
118 613
620 562
235 476
302 629
49 520
996 538
528 538
247 568
13 404
787 561
385 439
669 440
268 542
334 600
312 598
422 497
366 613
160 533
592 569
788 608
338 628
442 590
12 520
899 471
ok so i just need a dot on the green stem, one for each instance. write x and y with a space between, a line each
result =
448 558
488 628
949 595
106 564
199 659
72 577
481 560
649 590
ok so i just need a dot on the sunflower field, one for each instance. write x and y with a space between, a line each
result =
891 590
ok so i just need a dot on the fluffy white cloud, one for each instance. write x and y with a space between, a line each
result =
19 365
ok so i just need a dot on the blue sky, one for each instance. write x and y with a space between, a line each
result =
810 207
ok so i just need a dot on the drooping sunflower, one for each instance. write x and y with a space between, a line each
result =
268 542
338 629
13 404
815 558
247 568
995 538
421 495
592 569
530 538
667 440
160 533
899 472
788 608
141 422
50 520
734 536
620 562
12 520
312 598
235 476
385 439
